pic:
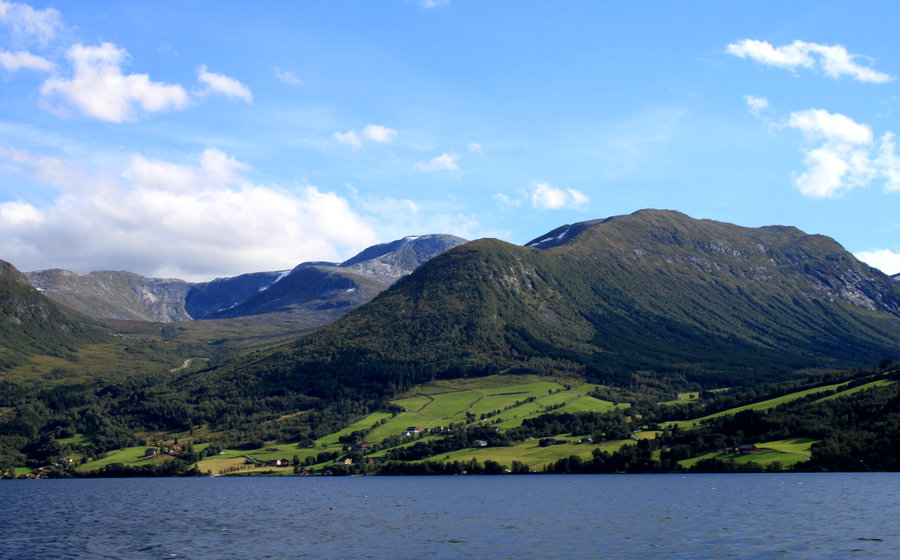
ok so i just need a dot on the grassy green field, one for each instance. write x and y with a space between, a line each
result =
879 383
366 423
761 405
787 452
531 453
126 456
502 401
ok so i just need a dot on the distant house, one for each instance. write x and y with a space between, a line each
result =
344 461
587 439
151 451
480 443
747 449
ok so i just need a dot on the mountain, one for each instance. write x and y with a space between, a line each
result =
322 292
655 291
115 295
315 292
31 323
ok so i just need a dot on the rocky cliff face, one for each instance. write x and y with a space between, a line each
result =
115 295
316 292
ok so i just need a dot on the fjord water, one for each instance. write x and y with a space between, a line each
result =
529 516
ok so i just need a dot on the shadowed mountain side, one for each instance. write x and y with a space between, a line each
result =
115 294
313 293
31 323
655 290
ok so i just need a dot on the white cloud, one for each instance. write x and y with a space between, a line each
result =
476 148
190 220
547 197
834 60
26 22
443 162
378 133
839 154
13 61
216 170
350 137
430 4
885 260
756 105
287 77
372 132
99 89
221 84
888 163
506 202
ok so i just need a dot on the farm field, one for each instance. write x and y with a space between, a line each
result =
532 454
501 402
491 399
126 456
761 405
787 452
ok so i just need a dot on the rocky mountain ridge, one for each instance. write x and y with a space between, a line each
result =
317 292
654 291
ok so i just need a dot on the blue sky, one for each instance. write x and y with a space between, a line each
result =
203 139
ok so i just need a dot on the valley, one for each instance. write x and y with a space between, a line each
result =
412 434
651 342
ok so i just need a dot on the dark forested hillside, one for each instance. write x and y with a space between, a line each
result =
654 291
654 299
33 324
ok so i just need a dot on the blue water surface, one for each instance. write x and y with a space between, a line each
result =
510 516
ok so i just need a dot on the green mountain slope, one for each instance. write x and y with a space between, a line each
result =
654 291
31 323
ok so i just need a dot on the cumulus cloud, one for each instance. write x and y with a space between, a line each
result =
476 148
885 260
13 61
287 77
430 4
756 105
99 89
216 170
194 220
27 23
223 85
546 197
841 154
372 132
443 162
833 60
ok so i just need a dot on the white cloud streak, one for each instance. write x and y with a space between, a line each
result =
19 60
756 105
223 85
189 220
841 154
373 132
833 60
99 89
287 77
546 197
431 4
28 23
885 260
443 162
